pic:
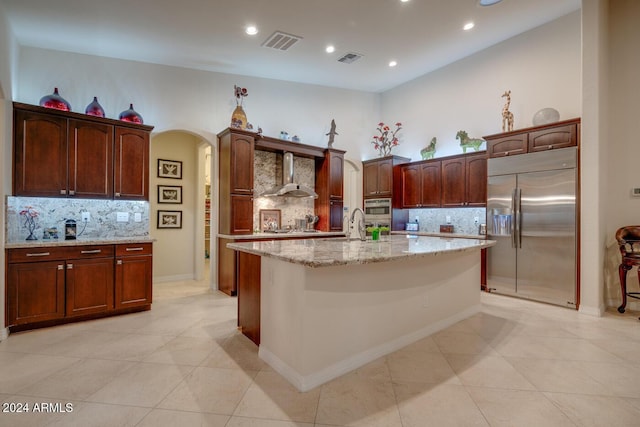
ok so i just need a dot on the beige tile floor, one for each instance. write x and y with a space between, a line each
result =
517 363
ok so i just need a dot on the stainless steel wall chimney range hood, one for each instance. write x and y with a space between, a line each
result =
288 187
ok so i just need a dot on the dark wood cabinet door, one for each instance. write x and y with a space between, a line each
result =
241 164
385 177
553 138
476 180
40 155
241 214
411 186
35 292
453 182
370 179
335 214
248 272
90 284
509 145
131 174
336 175
133 281
90 160
431 184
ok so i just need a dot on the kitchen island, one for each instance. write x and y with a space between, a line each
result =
328 306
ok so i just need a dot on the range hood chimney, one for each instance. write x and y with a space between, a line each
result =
288 187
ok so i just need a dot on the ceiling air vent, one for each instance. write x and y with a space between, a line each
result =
281 41
350 57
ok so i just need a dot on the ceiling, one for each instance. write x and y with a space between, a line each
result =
421 35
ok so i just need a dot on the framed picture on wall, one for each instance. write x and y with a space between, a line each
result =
169 169
170 194
169 219
269 219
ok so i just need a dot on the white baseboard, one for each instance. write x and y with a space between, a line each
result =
176 278
308 382
592 311
4 334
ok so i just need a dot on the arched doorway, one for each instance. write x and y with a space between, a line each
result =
179 254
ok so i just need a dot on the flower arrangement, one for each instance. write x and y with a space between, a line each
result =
30 215
240 93
387 139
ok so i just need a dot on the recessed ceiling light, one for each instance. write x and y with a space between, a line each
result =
393 63
330 49
251 30
404 1
488 2
468 26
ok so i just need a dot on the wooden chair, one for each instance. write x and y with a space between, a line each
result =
629 243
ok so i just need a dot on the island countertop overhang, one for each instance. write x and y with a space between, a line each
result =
333 252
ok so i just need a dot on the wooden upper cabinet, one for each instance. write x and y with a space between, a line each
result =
464 180
336 174
421 184
476 180
131 164
39 154
539 138
378 176
66 154
90 160
329 178
242 164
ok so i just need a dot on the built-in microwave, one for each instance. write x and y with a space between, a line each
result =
377 210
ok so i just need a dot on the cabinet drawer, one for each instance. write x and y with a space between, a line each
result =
134 249
551 138
92 251
51 253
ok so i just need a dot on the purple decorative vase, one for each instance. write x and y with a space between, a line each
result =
94 109
55 101
131 115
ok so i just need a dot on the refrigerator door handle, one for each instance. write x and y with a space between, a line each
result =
513 218
518 219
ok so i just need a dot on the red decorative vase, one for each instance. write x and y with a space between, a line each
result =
94 109
55 101
131 115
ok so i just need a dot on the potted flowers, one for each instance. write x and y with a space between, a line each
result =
387 138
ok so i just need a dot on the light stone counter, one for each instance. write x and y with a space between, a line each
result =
288 235
333 252
368 300
78 242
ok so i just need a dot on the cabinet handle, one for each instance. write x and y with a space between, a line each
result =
550 147
60 267
69 266
93 251
117 195
63 192
134 249
72 193
39 254
119 262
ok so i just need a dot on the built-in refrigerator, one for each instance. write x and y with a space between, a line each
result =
532 214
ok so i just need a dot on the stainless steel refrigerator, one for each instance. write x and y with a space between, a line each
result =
531 213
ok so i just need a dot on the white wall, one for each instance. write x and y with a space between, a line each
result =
541 68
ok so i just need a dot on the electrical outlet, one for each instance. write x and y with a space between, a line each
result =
476 220
137 217
122 216
448 219
86 217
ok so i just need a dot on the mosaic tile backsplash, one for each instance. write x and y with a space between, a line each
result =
267 173
53 212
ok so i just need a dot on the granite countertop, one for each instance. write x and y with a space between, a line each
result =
437 234
332 252
288 235
40 243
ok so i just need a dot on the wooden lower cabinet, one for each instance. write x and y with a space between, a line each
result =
89 286
249 288
134 270
52 285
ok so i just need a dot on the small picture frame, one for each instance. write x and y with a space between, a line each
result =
269 219
169 219
170 194
169 169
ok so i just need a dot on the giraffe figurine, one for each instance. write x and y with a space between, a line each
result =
507 116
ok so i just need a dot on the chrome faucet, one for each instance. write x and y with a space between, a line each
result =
362 231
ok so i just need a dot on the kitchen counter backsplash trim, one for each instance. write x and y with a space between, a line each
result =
462 219
53 212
